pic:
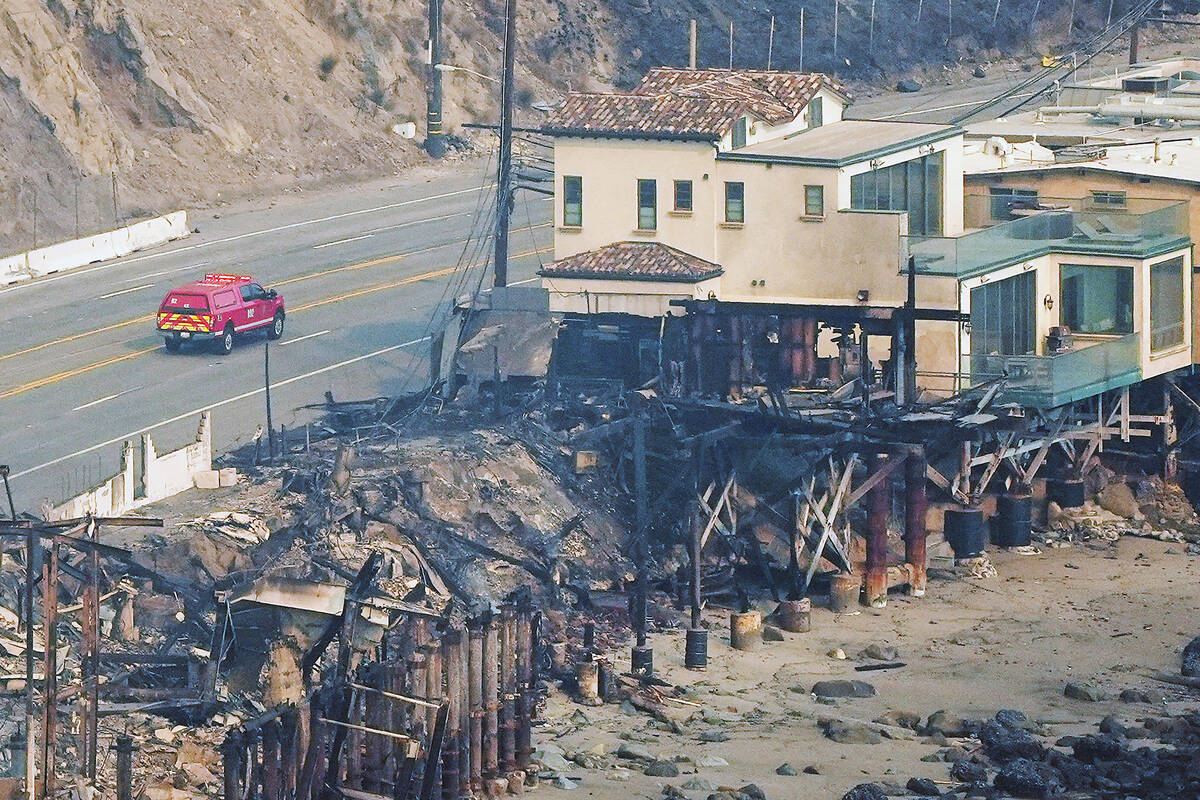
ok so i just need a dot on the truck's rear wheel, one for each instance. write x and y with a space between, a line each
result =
225 343
276 327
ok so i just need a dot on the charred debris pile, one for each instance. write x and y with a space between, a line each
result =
382 605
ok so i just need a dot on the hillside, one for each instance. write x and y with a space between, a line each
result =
192 102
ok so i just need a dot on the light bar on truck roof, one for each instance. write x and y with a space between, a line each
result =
220 277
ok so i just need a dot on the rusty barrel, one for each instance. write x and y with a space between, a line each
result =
745 630
795 616
844 589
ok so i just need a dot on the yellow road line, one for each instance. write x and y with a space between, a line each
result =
72 373
148 317
347 296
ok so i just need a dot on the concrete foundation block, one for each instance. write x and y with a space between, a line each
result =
208 479
229 476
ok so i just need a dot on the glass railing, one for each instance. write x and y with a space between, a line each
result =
1048 381
1016 233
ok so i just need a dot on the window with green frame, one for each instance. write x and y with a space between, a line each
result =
1166 304
647 204
735 202
741 130
683 195
572 201
1097 299
814 201
913 186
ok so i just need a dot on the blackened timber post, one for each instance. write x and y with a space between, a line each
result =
232 751
125 769
642 656
696 646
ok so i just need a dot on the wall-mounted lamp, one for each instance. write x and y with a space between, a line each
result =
967 327
864 295
1048 302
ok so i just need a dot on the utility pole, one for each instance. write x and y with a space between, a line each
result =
267 388
504 190
731 44
771 43
435 140
802 38
692 45
837 13
1133 41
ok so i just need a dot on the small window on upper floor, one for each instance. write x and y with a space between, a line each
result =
572 201
735 202
683 195
647 204
814 201
740 131
1107 199
816 113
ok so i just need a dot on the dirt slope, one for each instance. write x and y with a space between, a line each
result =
194 101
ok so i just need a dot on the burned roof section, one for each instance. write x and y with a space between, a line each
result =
650 261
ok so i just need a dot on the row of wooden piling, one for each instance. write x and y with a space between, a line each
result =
443 712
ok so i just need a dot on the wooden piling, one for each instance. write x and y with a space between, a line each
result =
272 774
525 633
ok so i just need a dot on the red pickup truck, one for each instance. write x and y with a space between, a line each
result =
217 309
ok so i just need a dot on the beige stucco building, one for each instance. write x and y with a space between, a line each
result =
747 193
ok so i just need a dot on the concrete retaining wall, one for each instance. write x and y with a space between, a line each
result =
162 476
101 247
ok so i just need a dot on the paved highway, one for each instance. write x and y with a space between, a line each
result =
82 369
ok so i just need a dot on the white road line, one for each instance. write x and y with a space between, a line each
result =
302 338
126 291
301 224
102 400
218 404
343 215
343 241
418 222
171 271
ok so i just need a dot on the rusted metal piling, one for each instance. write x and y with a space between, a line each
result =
916 509
878 510
475 697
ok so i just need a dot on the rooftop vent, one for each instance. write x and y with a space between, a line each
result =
1147 85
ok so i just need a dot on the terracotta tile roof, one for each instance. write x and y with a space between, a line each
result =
690 103
645 261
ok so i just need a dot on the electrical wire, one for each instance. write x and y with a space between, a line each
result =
1093 46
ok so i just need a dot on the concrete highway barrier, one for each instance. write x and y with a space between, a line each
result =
92 249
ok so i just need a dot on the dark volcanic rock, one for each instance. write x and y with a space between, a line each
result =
1191 659
1090 749
865 791
843 688
1004 744
1013 720
923 786
968 772
1025 778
